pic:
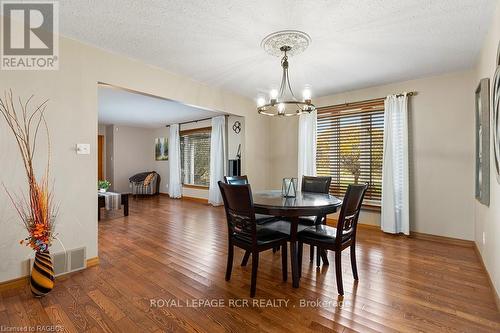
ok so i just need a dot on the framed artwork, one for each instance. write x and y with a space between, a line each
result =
482 102
161 149
496 116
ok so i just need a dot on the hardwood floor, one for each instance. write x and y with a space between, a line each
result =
176 250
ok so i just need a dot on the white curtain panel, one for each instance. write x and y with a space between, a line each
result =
395 171
174 152
307 145
217 159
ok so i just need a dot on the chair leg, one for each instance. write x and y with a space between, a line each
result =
324 257
353 262
338 272
255 264
300 250
319 251
284 268
229 268
311 253
244 261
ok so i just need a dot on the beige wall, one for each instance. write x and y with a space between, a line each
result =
441 151
133 153
487 219
72 117
235 139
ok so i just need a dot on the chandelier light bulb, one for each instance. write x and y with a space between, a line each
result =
281 108
306 93
273 93
261 101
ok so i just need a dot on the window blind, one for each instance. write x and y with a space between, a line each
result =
350 146
195 156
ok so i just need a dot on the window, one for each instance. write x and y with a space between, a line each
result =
350 145
195 156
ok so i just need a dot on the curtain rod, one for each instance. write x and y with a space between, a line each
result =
410 93
195 121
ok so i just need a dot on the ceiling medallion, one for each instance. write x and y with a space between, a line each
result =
298 42
283 102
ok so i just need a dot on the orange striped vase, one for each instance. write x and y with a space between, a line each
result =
42 274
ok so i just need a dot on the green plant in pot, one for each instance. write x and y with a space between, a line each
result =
103 185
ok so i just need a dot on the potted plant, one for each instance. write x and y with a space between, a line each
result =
35 208
103 185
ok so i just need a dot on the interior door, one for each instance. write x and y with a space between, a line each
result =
100 144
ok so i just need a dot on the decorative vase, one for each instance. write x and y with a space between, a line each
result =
42 274
289 187
103 190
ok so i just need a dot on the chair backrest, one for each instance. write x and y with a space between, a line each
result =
349 213
236 180
240 213
316 184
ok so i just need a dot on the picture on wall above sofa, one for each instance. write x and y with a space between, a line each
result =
161 149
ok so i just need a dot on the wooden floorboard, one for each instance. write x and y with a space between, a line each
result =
176 250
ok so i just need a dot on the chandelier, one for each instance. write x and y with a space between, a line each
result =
283 102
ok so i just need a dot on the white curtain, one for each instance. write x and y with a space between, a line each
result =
307 145
174 150
395 170
217 159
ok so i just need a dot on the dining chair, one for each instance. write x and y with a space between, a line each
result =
259 218
236 180
339 238
315 185
242 180
245 233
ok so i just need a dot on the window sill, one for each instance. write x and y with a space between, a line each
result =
371 207
200 187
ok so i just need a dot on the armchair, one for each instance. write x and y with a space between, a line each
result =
137 182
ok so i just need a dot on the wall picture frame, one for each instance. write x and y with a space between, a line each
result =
161 149
495 124
482 113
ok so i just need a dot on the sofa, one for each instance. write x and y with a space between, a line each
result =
137 183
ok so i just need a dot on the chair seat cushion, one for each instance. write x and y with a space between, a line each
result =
284 226
320 232
265 235
307 220
262 219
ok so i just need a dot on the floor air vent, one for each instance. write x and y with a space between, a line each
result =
72 261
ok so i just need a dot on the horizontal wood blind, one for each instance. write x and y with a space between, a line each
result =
195 156
350 145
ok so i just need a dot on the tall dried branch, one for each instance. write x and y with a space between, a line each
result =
36 210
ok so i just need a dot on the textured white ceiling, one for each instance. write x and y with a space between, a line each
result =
121 107
355 44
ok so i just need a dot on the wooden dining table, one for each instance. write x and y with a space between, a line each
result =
303 204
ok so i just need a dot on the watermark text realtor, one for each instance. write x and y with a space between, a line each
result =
30 35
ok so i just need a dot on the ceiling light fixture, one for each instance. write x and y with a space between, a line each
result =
283 102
